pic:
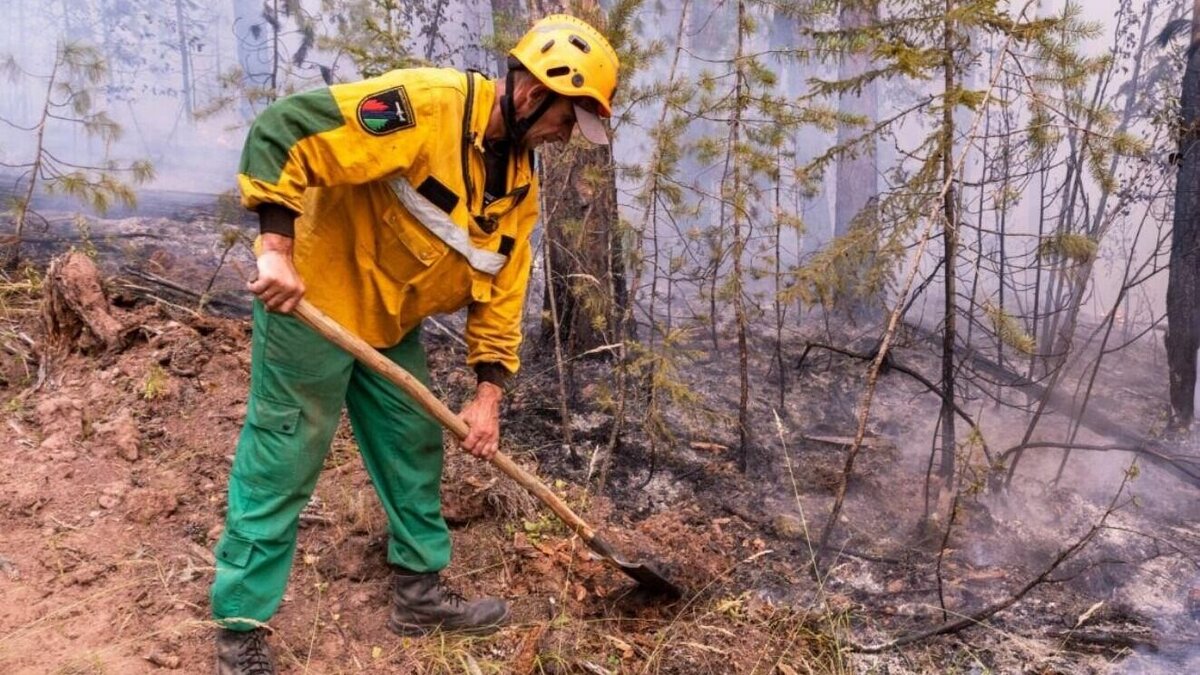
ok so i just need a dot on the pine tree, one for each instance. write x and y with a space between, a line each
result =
943 41
69 101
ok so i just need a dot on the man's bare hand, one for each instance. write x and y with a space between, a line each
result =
482 415
278 285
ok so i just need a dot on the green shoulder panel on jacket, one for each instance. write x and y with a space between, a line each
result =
282 125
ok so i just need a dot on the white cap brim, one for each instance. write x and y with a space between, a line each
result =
591 126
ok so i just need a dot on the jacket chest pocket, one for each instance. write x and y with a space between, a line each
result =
404 249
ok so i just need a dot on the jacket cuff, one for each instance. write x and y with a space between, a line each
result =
491 372
276 219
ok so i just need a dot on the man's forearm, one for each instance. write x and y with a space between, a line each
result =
486 391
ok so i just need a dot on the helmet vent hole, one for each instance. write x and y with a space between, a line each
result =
580 43
557 71
546 47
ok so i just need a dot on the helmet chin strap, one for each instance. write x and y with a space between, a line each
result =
516 128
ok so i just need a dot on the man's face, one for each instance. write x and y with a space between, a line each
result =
554 126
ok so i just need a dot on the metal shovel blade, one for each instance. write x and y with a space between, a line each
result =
646 574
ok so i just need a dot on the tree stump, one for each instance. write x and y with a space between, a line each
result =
75 310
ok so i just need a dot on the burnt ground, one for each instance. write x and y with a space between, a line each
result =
112 489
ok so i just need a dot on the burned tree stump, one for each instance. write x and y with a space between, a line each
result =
75 309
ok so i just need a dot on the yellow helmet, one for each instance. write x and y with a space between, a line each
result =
571 58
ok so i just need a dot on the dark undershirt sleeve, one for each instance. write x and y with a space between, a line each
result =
491 372
276 219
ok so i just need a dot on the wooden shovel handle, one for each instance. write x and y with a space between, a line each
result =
356 347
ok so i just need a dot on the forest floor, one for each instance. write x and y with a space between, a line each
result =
112 491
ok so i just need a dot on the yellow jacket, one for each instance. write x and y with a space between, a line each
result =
328 154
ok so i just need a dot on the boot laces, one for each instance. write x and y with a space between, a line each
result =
255 656
450 595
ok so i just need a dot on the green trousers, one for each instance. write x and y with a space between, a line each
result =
298 384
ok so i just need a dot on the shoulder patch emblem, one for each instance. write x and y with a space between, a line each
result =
385 112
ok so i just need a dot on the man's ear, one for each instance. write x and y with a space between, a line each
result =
530 93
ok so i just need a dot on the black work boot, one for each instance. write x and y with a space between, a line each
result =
244 653
421 604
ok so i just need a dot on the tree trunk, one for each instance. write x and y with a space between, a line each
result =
950 241
1183 317
255 49
10 250
856 175
587 276
586 256
732 194
505 13
185 60
77 21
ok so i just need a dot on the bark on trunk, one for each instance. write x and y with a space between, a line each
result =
950 241
733 195
580 215
75 309
185 59
505 13
856 175
585 272
1183 317
255 48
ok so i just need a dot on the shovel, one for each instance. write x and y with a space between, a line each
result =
644 573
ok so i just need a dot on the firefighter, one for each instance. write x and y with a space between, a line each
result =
383 202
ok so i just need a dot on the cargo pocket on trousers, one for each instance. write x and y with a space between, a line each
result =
234 551
270 458
274 416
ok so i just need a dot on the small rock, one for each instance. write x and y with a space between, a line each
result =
168 661
61 413
86 575
109 501
9 568
117 489
56 443
147 505
121 433
787 527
